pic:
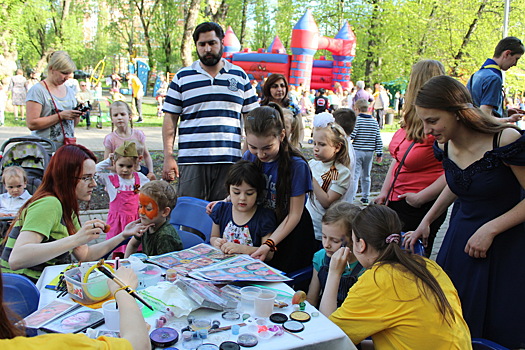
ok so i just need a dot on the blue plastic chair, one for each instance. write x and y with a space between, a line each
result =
484 344
302 275
189 239
20 294
419 249
191 213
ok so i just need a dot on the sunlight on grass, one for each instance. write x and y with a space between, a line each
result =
149 113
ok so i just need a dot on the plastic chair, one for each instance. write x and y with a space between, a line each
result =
484 344
191 213
302 275
419 249
189 239
20 294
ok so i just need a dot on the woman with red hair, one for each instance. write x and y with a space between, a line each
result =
48 229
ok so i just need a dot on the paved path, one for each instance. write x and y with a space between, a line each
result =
94 137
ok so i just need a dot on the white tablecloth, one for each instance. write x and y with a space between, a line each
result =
319 333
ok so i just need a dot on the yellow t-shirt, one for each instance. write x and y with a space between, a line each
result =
386 304
65 341
136 87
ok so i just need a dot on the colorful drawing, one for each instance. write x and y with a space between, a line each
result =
75 321
48 313
199 256
239 268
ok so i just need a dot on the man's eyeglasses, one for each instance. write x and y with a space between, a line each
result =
87 178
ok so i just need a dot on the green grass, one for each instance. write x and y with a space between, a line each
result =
149 114
391 127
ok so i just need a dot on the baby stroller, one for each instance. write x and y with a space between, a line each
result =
30 153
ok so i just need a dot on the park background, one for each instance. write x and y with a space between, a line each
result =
391 34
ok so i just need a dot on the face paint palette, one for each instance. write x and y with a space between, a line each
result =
164 337
229 345
293 326
300 316
247 340
278 318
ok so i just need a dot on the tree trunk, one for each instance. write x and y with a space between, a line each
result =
190 21
372 55
146 16
423 40
466 38
217 12
243 21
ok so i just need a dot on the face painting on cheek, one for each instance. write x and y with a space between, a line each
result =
144 201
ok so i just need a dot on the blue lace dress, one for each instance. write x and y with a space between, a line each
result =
492 290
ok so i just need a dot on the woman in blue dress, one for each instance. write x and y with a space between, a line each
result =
483 250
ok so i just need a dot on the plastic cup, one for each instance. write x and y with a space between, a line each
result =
248 295
171 275
264 303
111 315
200 323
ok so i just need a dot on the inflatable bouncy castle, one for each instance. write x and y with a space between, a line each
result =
300 68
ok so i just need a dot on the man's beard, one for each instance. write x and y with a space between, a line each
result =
211 59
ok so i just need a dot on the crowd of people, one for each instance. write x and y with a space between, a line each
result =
242 152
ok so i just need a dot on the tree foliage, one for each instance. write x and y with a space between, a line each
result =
391 35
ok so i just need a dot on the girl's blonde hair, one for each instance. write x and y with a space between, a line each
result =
14 171
422 71
60 61
337 137
120 104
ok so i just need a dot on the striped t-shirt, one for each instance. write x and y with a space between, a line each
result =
210 112
366 135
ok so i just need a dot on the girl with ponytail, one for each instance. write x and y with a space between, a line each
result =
404 301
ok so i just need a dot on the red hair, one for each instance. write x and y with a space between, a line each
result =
61 178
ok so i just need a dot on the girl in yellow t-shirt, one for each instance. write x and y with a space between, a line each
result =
403 301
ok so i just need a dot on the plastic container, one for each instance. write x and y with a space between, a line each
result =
87 293
149 276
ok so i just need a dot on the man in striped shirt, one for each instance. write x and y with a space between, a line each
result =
366 140
209 97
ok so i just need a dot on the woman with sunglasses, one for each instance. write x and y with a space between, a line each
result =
47 229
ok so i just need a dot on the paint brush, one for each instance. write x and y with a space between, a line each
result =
225 328
295 335
347 264
121 284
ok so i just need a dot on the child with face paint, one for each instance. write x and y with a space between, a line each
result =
337 234
156 201
122 188
240 225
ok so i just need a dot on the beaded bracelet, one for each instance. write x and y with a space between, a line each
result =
270 243
121 288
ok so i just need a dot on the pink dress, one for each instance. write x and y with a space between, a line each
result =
123 209
113 141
